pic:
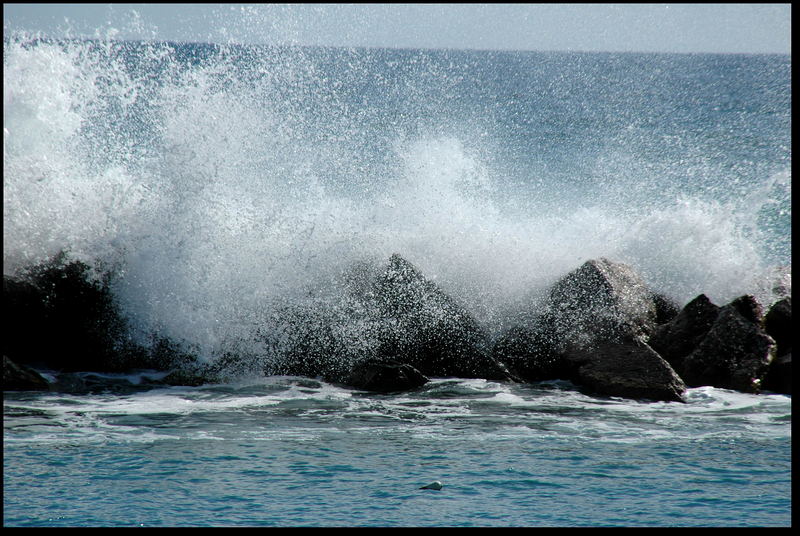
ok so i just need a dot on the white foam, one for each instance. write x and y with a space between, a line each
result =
226 188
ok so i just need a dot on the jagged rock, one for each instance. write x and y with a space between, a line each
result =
592 333
722 347
385 376
425 328
679 337
625 369
778 325
530 353
749 308
666 308
735 353
389 314
18 377
601 300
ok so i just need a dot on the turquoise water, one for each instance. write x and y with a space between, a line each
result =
293 452
217 184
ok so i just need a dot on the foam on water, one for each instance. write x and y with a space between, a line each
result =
279 407
217 188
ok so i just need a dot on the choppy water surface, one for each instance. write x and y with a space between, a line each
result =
289 451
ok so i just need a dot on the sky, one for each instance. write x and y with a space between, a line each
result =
688 28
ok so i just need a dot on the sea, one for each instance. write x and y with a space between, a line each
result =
219 182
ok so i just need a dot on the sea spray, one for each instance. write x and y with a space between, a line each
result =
220 182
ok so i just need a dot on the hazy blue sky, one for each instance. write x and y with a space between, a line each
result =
749 28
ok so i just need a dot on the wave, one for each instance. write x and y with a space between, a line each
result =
217 182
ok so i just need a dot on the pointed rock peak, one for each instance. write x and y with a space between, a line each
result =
748 307
601 267
700 301
600 264
400 271
396 259
600 283
402 267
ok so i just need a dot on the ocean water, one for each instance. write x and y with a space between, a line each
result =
219 183
289 451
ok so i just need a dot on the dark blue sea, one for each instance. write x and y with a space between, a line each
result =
220 182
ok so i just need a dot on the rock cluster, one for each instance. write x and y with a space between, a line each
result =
603 329
388 328
593 330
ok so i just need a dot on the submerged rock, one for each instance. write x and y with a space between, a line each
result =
188 378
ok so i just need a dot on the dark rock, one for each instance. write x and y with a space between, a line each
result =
625 369
678 338
425 328
734 354
389 314
59 316
778 325
666 308
779 376
601 300
592 332
21 378
187 370
530 353
385 376
97 383
187 378
167 355
24 314
749 308
318 341
72 383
